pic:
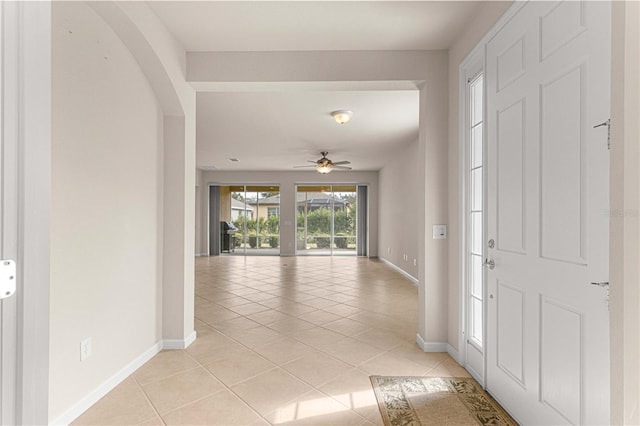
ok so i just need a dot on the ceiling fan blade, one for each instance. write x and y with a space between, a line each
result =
299 167
314 162
337 163
341 167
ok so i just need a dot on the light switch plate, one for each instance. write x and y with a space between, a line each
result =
7 278
439 232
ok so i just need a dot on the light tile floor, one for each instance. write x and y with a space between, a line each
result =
281 341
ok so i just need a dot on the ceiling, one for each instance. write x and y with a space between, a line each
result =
280 130
314 25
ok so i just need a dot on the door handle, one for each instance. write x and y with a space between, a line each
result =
490 263
7 278
604 284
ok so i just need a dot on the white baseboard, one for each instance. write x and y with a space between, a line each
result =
430 346
454 354
85 403
179 343
413 279
202 254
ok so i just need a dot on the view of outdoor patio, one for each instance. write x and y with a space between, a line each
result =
325 219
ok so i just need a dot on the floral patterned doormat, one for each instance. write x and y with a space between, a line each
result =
412 401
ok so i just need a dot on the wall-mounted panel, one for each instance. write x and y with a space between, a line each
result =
562 169
561 359
511 311
511 178
560 25
510 64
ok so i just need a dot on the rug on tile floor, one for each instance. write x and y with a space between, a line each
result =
413 401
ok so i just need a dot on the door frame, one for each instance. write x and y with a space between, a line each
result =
26 117
624 20
472 66
210 227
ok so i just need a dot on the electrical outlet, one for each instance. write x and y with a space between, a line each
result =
415 262
388 250
85 349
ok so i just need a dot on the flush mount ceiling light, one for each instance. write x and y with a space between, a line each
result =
342 116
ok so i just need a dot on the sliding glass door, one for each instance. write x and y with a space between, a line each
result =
326 219
251 214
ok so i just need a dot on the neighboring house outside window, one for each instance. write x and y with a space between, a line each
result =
273 211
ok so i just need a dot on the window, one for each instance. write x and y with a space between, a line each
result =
475 277
273 211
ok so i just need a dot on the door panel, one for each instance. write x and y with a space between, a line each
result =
510 178
563 161
547 193
510 352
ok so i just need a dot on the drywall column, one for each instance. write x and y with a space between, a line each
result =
625 214
432 148
179 223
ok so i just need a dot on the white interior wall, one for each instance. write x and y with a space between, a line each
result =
288 182
487 16
106 211
162 60
398 210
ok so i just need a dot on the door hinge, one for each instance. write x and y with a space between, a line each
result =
7 278
608 124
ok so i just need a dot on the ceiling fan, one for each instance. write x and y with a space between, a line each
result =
324 165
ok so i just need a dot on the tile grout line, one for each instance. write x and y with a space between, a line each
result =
227 388
153 407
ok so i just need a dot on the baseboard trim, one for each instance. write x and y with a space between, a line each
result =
453 353
202 254
173 344
83 405
430 346
413 279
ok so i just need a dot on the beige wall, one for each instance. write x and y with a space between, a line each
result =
106 211
398 210
287 182
487 16
625 214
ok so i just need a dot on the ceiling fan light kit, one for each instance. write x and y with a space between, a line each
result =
342 116
324 168
324 165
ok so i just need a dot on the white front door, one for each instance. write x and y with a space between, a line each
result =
547 79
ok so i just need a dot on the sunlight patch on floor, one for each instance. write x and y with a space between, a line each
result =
323 406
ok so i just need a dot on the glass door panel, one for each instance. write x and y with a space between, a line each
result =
314 204
344 220
254 210
326 219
